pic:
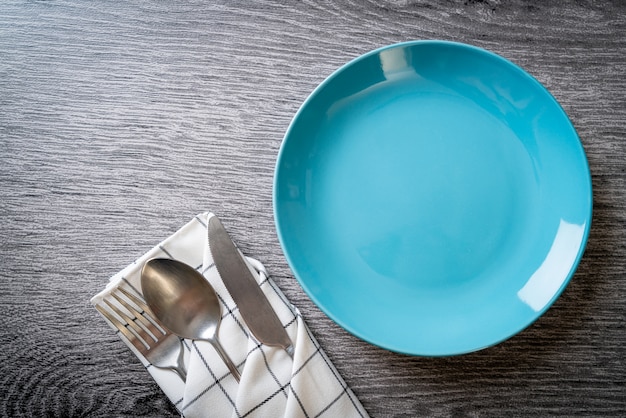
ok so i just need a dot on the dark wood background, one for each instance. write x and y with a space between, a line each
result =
120 120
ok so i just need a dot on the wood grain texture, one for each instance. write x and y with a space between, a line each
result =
111 111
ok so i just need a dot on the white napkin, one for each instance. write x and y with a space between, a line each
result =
272 383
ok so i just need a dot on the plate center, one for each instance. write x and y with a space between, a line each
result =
423 188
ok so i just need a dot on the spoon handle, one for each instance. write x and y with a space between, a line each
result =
231 366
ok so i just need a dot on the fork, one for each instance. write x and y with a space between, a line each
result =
153 341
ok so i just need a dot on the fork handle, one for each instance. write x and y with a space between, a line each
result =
179 368
180 371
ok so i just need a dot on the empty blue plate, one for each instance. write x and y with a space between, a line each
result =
432 198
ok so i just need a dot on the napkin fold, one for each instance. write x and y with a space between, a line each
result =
272 383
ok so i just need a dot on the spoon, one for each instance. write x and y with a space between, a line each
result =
185 302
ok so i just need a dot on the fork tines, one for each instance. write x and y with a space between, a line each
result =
134 320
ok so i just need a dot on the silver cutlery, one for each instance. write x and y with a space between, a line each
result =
185 302
132 317
238 277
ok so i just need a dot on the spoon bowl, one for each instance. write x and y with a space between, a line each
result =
185 302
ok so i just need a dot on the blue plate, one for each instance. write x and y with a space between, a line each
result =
432 198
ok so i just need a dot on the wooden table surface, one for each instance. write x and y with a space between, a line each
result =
121 120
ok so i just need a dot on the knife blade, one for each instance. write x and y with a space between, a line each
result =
239 278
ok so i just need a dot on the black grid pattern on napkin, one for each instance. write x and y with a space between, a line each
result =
310 404
344 390
229 314
216 384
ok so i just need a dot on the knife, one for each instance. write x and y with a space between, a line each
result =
239 278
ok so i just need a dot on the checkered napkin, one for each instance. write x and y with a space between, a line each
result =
272 383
